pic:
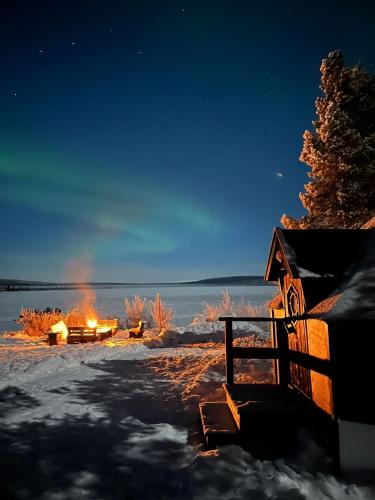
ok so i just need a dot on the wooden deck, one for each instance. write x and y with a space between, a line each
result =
264 418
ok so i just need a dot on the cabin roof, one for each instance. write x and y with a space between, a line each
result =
344 260
313 253
325 306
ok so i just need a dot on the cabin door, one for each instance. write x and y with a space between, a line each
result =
297 341
300 376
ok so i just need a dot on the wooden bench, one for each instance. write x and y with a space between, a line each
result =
111 323
79 334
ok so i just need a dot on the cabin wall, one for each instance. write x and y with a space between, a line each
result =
318 346
297 341
352 355
311 337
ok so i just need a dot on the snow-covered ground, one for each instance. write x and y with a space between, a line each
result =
119 420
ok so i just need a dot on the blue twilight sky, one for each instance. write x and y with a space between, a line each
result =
158 140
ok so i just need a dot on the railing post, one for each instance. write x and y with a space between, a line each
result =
229 352
283 363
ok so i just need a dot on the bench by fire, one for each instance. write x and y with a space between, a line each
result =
82 334
93 332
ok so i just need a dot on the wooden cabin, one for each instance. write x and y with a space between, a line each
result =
323 345
328 276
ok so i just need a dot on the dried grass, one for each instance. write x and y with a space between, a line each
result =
212 311
154 312
226 307
162 315
36 324
135 311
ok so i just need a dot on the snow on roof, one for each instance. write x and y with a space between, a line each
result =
355 296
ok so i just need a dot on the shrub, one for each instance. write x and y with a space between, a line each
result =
162 315
226 307
135 311
212 311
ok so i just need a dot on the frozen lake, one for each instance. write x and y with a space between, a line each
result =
186 300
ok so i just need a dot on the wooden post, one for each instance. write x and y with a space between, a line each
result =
283 364
275 361
228 352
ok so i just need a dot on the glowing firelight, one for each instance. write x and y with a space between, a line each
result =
92 323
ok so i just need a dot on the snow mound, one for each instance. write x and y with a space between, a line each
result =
234 473
215 327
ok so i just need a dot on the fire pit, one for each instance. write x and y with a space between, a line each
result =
94 331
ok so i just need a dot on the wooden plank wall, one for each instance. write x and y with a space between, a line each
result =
311 337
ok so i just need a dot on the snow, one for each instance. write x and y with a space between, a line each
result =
212 327
357 299
118 419
305 273
357 445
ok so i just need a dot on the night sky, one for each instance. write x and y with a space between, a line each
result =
158 140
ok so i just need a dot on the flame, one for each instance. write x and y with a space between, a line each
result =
80 271
60 327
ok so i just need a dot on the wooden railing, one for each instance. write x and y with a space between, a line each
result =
280 352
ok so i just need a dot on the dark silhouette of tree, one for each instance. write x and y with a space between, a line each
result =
341 150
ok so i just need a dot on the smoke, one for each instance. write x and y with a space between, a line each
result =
80 271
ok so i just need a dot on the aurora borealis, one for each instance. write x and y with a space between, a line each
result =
158 140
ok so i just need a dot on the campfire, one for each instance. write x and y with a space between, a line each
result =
94 330
88 327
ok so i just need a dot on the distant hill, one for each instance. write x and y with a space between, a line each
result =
24 285
5 282
231 280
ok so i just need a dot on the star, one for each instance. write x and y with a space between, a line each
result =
73 43
182 10
14 93
279 175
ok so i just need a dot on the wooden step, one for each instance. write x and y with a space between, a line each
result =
218 424
260 404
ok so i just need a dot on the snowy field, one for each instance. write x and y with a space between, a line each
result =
119 420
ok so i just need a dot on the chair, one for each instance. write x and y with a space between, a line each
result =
137 333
